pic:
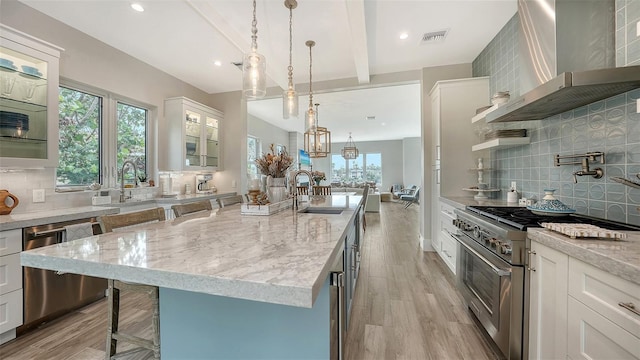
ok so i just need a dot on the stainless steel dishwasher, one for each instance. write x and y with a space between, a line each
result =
50 294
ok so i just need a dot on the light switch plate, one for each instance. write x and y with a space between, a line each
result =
513 184
233 184
38 195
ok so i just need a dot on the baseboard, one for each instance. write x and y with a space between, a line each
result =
425 244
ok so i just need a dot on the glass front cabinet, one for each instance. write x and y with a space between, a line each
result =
190 135
28 101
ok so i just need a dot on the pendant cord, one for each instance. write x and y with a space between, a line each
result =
310 78
254 30
290 68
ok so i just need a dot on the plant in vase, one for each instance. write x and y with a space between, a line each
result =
318 176
275 166
143 180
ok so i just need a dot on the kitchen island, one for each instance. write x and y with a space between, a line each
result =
231 286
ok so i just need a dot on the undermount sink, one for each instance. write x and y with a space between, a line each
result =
322 210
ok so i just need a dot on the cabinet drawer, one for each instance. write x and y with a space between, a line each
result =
10 242
592 336
10 273
449 250
10 310
447 210
603 292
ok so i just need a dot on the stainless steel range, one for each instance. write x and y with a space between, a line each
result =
491 268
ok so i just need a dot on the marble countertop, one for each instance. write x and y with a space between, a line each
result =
283 258
17 221
618 257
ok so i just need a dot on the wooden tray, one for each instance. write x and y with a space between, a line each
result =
584 231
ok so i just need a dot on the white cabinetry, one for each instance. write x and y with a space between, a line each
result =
10 284
29 79
444 243
453 102
190 137
548 303
578 311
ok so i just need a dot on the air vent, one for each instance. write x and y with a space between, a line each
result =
434 36
370 118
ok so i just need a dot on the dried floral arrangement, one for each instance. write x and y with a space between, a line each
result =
318 176
274 164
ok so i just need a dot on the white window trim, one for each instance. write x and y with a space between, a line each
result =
109 138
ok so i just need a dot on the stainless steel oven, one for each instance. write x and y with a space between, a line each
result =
490 277
486 283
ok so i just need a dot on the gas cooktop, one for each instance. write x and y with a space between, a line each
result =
521 218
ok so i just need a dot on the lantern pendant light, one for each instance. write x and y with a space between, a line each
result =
349 151
290 96
254 66
317 142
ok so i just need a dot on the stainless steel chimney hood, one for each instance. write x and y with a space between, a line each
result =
566 59
568 91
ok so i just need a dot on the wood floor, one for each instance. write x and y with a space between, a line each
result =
405 307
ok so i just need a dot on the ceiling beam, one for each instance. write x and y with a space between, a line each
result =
358 27
275 69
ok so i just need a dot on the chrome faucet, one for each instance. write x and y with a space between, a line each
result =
135 178
294 186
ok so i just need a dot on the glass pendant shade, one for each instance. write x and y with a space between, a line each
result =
310 120
289 104
254 66
349 151
254 75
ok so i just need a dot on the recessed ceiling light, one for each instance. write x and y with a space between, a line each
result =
137 7
383 124
217 63
404 36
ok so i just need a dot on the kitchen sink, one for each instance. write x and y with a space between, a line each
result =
322 210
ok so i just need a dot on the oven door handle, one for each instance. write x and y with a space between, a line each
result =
497 270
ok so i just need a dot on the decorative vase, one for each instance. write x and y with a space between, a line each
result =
318 182
276 189
4 208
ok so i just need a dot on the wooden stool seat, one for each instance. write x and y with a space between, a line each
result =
190 208
118 221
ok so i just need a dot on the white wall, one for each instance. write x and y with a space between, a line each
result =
411 161
268 134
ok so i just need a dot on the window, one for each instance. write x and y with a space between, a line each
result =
79 145
366 167
253 152
98 133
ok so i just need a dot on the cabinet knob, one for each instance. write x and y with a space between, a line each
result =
532 252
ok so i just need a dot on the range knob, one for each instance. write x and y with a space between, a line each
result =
494 242
505 249
476 231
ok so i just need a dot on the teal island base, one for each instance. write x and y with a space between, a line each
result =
200 326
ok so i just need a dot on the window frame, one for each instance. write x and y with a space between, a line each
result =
108 172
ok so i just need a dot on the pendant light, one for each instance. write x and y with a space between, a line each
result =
254 66
317 142
349 151
310 116
290 96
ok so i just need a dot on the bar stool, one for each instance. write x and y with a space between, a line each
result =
108 223
190 208
321 190
229 200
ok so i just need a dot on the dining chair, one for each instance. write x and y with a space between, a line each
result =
230 200
322 190
411 198
190 208
302 190
108 223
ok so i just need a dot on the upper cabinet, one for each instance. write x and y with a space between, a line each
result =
29 72
190 136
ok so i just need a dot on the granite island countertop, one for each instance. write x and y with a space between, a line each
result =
618 257
283 259
17 221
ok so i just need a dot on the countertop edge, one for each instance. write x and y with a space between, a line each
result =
627 271
54 216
